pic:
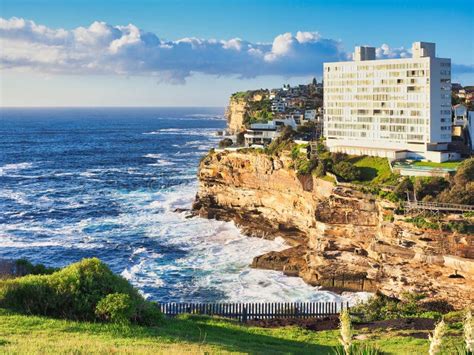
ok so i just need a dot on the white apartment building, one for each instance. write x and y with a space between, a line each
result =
394 108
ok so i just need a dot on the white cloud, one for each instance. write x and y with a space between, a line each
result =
126 50
386 52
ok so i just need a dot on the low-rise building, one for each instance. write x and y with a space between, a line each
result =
463 125
261 134
310 115
278 106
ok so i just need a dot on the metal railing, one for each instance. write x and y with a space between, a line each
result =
437 206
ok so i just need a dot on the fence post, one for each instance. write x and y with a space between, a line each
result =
296 311
244 315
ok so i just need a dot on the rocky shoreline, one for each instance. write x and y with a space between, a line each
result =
339 238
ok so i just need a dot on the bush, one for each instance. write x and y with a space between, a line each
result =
338 157
226 142
320 170
72 292
283 142
115 308
421 222
461 189
24 267
382 307
295 152
346 170
432 186
240 138
305 166
402 187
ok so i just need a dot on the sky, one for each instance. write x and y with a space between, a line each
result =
196 53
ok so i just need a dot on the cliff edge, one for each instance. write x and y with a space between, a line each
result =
339 238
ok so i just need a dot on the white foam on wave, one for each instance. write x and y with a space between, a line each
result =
17 196
154 156
217 255
9 168
162 162
203 132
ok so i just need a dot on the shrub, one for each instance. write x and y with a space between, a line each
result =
402 187
461 189
321 148
346 170
305 166
431 186
420 222
436 339
319 171
468 327
345 329
72 292
24 267
283 142
381 307
338 157
295 152
240 138
115 308
226 142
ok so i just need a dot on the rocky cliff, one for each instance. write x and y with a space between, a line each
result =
235 114
339 237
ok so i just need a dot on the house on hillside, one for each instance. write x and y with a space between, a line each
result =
261 134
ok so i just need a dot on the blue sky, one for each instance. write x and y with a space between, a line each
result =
78 74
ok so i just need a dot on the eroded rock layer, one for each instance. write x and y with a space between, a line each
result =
338 237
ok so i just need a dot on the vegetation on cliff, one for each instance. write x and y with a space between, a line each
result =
257 106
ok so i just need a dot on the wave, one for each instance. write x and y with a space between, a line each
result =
8 168
203 132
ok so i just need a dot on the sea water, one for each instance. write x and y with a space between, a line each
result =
106 182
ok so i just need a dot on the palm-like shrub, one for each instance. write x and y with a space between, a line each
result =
436 339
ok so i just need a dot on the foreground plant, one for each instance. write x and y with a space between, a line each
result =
346 331
469 331
437 338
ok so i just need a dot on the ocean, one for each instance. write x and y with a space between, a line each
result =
105 182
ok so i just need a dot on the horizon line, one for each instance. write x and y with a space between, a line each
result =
186 106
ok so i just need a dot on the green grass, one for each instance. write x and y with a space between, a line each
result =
30 334
328 178
448 164
374 170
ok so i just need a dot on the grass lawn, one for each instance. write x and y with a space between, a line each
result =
373 169
448 164
30 334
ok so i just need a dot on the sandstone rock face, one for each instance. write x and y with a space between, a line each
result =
338 237
235 115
